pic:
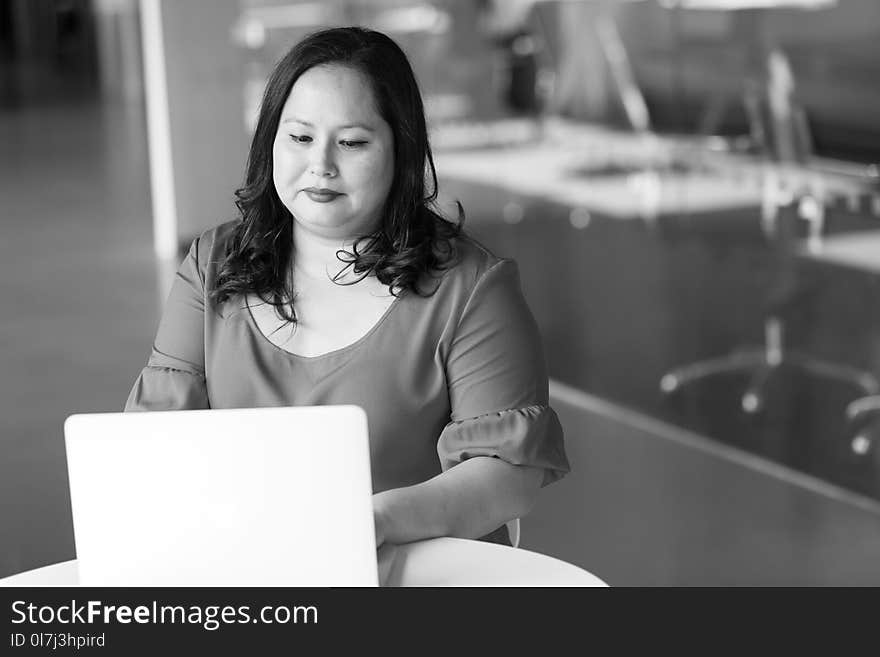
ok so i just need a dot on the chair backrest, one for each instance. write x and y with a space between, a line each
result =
513 530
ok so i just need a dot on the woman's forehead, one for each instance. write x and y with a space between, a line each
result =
332 95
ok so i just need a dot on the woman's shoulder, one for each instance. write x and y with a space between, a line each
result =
215 239
473 260
209 248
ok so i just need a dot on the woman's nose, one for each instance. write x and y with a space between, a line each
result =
322 164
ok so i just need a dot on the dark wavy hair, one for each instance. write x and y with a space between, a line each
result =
412 239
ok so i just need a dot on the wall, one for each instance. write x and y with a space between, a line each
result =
205 77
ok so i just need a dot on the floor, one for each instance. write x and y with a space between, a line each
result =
650 504
79 285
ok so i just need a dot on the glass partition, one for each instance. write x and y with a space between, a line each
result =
690 188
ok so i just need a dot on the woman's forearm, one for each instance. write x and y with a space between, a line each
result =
467 501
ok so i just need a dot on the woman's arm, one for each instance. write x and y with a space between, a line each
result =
174 378
469 500
497 382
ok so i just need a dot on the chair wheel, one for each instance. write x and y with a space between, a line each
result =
751 403
861 444
669 383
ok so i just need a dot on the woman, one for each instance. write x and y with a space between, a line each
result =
340 285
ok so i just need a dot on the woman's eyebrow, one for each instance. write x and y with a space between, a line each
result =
342 127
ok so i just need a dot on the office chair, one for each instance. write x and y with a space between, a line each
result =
786 138
763 361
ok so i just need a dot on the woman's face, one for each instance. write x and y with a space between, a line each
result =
333 156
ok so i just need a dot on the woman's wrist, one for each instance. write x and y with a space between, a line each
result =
380 518
410 513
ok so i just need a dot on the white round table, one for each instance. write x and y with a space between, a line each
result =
433 562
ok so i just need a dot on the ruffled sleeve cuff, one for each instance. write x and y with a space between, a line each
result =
525 436
167 389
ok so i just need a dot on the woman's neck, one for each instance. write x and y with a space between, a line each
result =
314 256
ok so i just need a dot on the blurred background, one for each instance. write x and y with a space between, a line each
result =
690 187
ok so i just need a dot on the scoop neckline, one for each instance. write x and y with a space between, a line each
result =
349 347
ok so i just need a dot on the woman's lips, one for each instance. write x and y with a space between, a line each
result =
321 195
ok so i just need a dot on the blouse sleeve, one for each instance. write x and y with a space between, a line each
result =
174 378
497 380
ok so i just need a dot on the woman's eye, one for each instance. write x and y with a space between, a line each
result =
301 139
352 144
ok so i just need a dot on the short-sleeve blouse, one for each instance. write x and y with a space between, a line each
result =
442 378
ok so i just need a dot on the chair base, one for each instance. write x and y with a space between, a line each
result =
860 413
763 364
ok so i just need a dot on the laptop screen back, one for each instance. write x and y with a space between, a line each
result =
239 497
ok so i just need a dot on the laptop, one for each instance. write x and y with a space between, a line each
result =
239 497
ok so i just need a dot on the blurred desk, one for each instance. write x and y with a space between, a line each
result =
434 562
620 175
859 250
625 175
